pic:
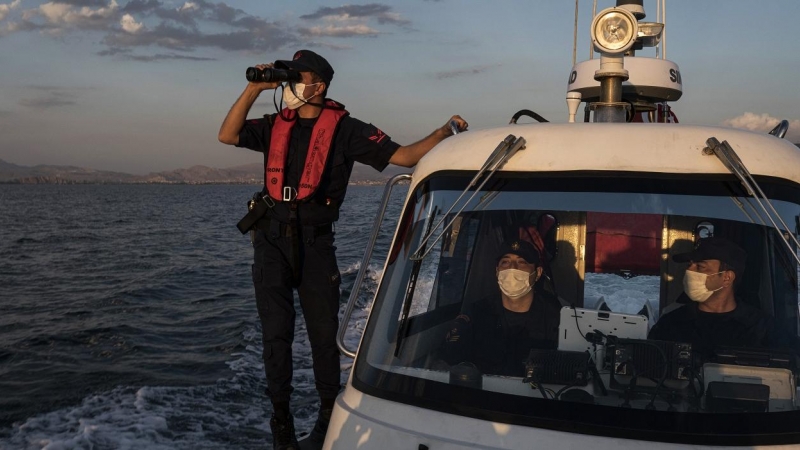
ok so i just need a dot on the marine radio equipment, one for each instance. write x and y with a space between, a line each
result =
557 367
649 364
758 357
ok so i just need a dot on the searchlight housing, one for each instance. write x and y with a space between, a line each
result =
614 30
627 84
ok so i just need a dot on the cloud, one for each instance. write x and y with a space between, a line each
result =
151 23
351 21
13 27
328 45
188 6
185 26
138 6
764 123
63 15
97 3
130 25
382 13
340 31
166 57
127 54
50 97
462 72
268 37
6 8
188 14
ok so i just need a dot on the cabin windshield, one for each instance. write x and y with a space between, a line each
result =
593 329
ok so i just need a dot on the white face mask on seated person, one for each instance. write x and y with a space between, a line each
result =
295 101
514 282
694 284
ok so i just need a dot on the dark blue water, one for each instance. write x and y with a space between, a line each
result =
128 318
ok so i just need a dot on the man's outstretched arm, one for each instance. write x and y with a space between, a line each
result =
409 155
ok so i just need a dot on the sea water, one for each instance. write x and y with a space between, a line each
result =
129 321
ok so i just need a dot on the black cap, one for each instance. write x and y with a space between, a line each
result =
523 249
717 248
308 61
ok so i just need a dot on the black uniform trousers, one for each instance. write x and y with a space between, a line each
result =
319 299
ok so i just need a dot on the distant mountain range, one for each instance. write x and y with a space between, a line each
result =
246 174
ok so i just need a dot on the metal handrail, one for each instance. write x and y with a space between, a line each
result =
376 228
780 129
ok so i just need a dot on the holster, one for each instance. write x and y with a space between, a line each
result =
257 207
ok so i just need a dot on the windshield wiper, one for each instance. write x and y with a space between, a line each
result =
504 151
734 164
402 329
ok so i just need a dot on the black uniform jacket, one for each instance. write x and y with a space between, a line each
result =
354 141
498 341
745 326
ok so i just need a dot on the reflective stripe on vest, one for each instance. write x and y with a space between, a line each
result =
319 147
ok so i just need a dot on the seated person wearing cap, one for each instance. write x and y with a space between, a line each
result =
714 317
499 333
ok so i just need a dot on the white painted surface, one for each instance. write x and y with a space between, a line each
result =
630 147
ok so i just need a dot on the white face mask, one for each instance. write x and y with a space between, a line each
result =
694 284
295 101
514 282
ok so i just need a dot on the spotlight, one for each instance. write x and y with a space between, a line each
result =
614 31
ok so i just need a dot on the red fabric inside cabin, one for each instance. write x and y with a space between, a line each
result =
623 242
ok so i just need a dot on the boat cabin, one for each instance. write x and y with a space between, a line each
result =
607 205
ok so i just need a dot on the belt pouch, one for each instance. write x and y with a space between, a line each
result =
260 207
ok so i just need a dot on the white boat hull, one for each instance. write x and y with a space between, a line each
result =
364 422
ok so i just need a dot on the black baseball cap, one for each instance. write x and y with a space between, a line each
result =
717 248
308 61
523 249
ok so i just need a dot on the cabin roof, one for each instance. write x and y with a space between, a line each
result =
627 147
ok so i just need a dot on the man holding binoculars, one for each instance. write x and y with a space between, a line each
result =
309 151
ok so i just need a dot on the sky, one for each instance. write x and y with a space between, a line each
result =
140 86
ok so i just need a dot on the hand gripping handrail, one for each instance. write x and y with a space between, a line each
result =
376 228
504 151
734 164
780 129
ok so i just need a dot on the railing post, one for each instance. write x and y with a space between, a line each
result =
376 228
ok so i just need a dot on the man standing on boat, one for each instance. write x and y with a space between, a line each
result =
499 333
309 150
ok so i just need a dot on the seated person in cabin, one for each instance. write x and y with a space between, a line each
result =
714 317
501 329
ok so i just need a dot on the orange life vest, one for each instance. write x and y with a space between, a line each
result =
319 148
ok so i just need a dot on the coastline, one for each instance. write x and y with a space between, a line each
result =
38 180
240 175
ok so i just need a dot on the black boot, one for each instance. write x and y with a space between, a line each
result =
283 437
317 435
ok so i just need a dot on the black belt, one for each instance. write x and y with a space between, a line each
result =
285 229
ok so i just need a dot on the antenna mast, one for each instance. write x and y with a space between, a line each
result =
575 37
